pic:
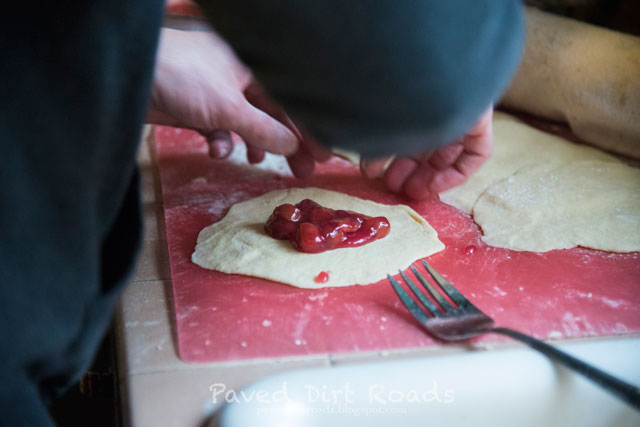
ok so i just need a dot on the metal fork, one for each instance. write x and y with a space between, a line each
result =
462 320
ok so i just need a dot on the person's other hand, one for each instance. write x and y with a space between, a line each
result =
200 84
431 173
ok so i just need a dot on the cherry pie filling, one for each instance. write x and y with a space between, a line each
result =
313 228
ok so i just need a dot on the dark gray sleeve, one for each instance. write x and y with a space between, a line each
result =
381 76
75 78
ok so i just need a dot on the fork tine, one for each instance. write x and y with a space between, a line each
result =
433 309
447 287
413 308
433 291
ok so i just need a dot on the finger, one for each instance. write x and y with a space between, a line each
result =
444 180
427 181
445 156
258 97
478 147
259 130
220 144
373 168
398 172
243 73
255 155
438 169
456 174
317 151
465 166
416 185
422 157
301 163
452 165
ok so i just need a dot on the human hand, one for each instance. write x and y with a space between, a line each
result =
302 162
200 84
432 172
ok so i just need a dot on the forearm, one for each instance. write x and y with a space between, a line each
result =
582 75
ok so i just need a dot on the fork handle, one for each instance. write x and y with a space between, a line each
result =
623 390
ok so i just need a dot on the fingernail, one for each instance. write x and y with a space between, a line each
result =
373 168
220 144
219 149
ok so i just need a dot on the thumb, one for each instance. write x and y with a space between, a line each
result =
261 131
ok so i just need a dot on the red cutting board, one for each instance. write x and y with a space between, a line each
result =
219 317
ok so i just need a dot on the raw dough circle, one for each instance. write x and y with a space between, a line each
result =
559 206
238 244
516 145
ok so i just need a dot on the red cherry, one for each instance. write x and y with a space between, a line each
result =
280 229
348 225
333 236
382 226
288 212
306 205
319 215
308 238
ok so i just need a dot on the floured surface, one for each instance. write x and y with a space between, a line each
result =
238 243
517 145
560 206
225 317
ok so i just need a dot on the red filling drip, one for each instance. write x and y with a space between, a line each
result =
312 228
469 250
322 277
